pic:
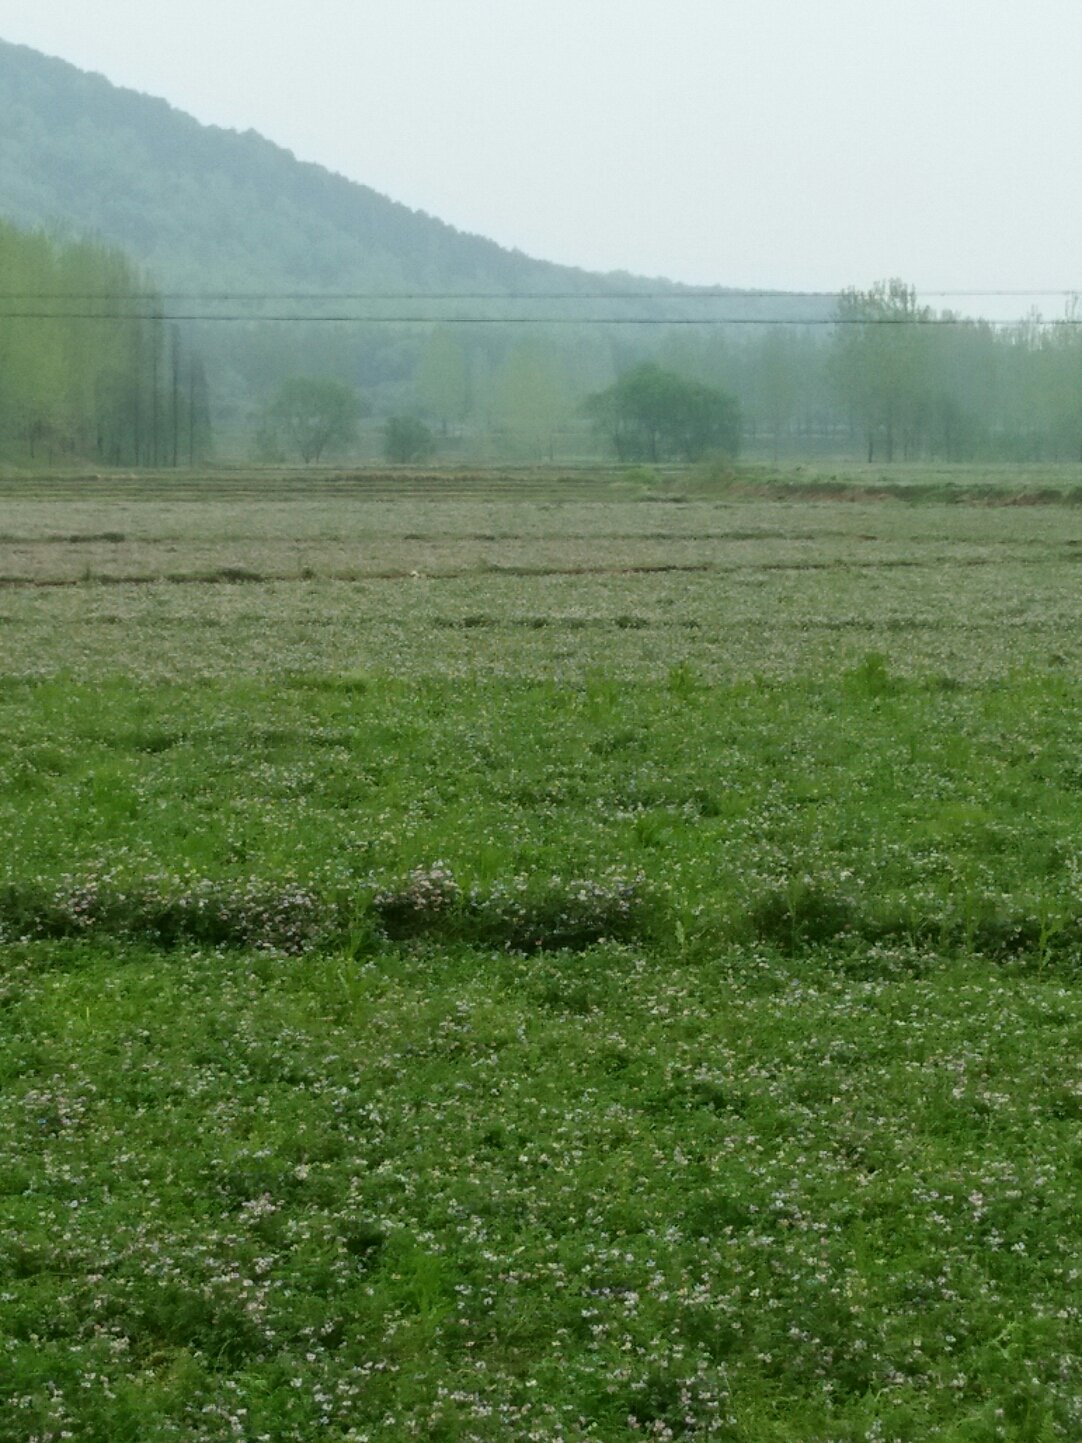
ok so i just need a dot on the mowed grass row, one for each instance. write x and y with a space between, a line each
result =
262 484
850 809
495 1008
632 577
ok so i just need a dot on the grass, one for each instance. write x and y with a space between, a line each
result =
488 1008
863 806
449 1193
238 576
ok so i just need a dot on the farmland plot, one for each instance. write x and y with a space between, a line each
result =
580 958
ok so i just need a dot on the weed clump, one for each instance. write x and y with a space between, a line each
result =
871 678
423 902
803 913
167 912
524 914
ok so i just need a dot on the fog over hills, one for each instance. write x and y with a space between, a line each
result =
209 212
200 205
195 203
254 271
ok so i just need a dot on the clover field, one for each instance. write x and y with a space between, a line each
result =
539 956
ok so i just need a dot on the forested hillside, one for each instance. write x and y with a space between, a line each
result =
201 206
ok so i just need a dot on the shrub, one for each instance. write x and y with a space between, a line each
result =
406 440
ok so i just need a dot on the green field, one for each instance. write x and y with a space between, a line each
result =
541 956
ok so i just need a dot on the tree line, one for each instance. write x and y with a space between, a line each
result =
88 367
91 370
890 379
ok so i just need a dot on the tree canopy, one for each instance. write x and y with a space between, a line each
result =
407 439
88 368
881 363
651 414
311 414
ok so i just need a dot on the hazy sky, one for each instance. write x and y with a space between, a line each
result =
788 143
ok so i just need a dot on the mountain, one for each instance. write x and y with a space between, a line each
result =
197 204
201 206
206 210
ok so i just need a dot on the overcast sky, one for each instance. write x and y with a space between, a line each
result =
781 143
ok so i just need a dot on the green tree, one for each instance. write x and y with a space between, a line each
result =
309 414
775 375
406 440
654 415
1062 376
83 366
443 381
530 396
880 364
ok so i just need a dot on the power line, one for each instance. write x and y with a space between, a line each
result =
709 294
505 296
217 318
